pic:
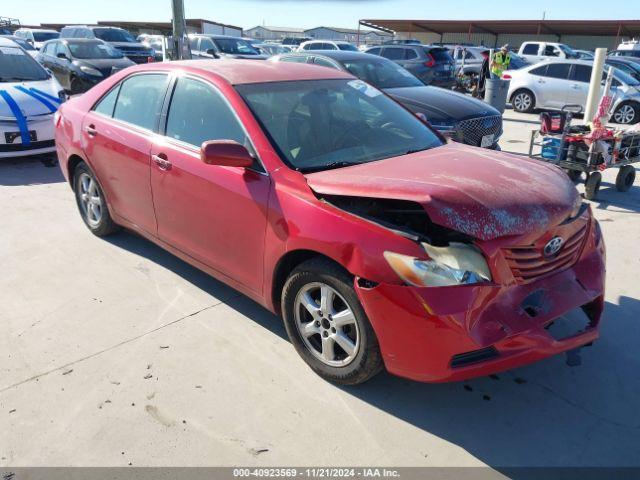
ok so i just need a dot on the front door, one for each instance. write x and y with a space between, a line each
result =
117 139
217 215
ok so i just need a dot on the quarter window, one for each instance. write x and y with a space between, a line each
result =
105 106
530 49
140 99
198 113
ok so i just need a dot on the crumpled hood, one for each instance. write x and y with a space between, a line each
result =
481 193
441 104
29 105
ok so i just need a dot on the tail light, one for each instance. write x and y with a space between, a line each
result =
431 62
506 76
150 59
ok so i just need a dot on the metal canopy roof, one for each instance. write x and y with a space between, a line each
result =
616 28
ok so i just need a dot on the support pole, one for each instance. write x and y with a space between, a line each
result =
180 40
593 97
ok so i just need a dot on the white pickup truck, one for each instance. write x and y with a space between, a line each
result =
535 52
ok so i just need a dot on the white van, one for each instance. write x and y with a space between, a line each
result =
535 52
36 36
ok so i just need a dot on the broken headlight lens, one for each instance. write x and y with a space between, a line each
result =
456 264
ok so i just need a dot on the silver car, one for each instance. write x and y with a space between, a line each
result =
552 84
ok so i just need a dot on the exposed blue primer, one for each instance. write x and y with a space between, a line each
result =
20 118
38 97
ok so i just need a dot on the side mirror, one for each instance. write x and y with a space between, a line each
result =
62 56
226 153
213 53
29 41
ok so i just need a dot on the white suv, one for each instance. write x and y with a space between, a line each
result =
36 36
535 52
327 45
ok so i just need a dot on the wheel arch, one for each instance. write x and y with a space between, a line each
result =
73 161
524 89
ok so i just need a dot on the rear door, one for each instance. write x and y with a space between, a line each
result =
215 214
117 138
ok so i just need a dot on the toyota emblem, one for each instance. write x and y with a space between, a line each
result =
553 246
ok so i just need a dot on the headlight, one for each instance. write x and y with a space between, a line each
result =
91 71
457 264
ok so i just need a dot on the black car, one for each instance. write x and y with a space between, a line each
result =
216 46
625 64
431 64
114 36
79 64
462 118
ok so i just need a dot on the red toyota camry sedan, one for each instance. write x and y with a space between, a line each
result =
321 198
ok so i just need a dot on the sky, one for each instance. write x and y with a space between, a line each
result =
311 13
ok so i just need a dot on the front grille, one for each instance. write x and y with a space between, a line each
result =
528 263
18 147
471 131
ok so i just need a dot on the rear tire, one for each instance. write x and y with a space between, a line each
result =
625 178
574 175
523 101
322 314
92 202
627 113
592 185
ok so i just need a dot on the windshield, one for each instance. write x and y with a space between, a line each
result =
235 46
624 78
18 66
381 73
44 36
94 50
516 61
23 43
113 35
568 52
322 124
347 46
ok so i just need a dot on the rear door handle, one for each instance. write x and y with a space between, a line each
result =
162 161
91 130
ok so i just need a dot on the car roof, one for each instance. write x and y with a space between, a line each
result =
340 55
215 35
238 72
8 42
38 29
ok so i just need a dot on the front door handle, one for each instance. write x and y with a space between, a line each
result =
162 161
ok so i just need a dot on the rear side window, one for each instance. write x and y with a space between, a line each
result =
539 71
393 53
558 70
140 99
530 49
410 54
374 51
198 113
105 106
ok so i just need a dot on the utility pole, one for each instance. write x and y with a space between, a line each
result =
180 40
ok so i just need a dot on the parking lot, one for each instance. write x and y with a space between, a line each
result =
116 353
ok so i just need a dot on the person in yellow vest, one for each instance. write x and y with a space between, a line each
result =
500 61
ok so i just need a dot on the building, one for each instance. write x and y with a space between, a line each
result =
348 35
194 25
580 34
274 33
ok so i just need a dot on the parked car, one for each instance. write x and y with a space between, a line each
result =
26 46
556 83
633 55
118 38
625 64
36 36
406 41
29 96
432 65
585 54
154 42
294 41
534 52
326 201
327 45
206 46
460 117
79 63
473 59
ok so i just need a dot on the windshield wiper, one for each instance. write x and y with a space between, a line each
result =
328 166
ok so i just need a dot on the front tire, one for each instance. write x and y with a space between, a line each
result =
523 101
627 113
91 202
327 325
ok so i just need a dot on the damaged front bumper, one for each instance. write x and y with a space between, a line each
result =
453 333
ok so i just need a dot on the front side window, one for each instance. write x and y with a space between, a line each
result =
45 36
235 46
140 99
107 103
198 113
530 49
582 73
321 124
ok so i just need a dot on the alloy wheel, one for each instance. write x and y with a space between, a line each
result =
327 325
522 101
625 114
90 199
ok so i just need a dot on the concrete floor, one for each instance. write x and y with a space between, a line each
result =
117 353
